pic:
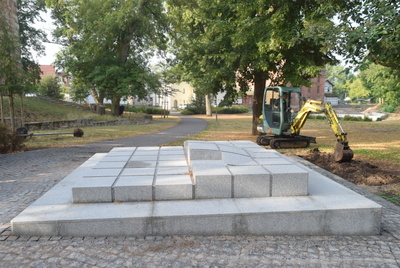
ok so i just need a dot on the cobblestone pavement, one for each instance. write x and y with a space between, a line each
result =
24 177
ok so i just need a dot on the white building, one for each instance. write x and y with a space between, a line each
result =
329 97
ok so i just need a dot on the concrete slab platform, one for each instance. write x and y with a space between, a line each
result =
327 208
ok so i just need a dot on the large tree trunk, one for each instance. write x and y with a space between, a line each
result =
11 108
259 87
21 96
208 105
115 105
2 106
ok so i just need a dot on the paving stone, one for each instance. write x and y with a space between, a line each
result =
120 153
123 149
173 170
232 149
108 165
138 171
141 164
169 157
234 159
116 158
153 157
272 161
173 187
133 188
173 163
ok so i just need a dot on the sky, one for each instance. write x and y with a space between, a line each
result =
51 49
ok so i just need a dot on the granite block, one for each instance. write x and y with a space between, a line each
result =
288 180
250 181
173 187
133 188
93 190
202 151
212 179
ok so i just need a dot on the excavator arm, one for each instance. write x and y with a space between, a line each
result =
342 153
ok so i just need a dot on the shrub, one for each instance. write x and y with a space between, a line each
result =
356 118
10 141
190 110
318 117
156 111
232 110
388 109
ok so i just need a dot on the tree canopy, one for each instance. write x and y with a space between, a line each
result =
372 34
223 43
107 44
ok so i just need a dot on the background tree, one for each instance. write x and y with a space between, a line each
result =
50 87
10 67
107 44
357 89
339 76
384 84
372 34
222 43
18 71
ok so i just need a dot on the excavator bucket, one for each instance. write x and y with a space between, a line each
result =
343 153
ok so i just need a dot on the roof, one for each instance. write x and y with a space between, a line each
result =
327 81
47 70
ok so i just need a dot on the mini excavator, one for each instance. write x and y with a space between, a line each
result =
284 114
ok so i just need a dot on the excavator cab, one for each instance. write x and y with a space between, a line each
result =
279 106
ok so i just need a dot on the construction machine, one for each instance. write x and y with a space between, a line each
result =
283 115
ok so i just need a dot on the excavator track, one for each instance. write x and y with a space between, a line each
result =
285 143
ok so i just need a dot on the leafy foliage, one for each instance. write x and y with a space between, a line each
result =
232 110
220 44
49 86
9 140
107 44
373 33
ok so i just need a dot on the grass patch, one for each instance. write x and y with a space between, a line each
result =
36 109
391 196
370 140
97 134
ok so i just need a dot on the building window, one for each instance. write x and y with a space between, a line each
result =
317 89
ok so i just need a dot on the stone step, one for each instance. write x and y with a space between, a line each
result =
218 170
